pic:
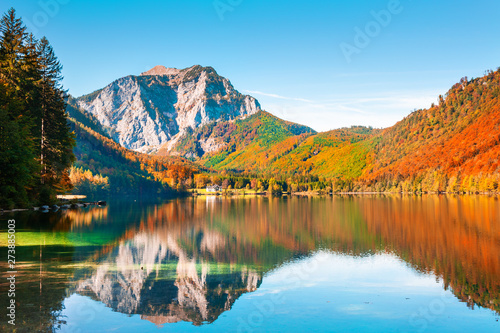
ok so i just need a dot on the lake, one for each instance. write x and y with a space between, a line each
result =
372 263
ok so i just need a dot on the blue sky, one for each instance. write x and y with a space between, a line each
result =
295 57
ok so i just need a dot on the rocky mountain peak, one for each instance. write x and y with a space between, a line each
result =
161 70
157 107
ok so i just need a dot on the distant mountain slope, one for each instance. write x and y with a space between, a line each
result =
125 171
460 136
86 118
263 143
147 111
294 152
341 153
451 146
240 144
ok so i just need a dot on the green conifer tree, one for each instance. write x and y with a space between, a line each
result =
31 75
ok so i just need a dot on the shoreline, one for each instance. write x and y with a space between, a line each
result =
317 194
56 207
257 194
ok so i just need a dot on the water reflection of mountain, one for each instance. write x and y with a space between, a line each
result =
457 239
189 260
152 275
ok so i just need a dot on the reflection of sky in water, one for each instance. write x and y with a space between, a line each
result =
230 262
325 292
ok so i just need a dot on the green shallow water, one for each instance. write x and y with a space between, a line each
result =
336 264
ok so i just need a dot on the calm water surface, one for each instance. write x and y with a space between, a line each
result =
341 264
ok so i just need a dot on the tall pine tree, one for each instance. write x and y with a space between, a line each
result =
12 44
31 76
18 165
56 140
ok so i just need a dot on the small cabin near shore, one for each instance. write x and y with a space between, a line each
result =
214 188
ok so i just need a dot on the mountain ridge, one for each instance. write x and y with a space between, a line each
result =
453 146
156 107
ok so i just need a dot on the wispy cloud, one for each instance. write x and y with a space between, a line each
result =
379 110
254 92
385 74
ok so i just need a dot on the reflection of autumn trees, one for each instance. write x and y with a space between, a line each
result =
86 217
457 239
263 231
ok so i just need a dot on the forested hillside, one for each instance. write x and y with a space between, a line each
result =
453 147
104 167
245 144
212 134
339 153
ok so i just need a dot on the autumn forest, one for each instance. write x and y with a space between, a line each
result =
49 146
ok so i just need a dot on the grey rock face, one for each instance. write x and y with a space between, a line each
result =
157 107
